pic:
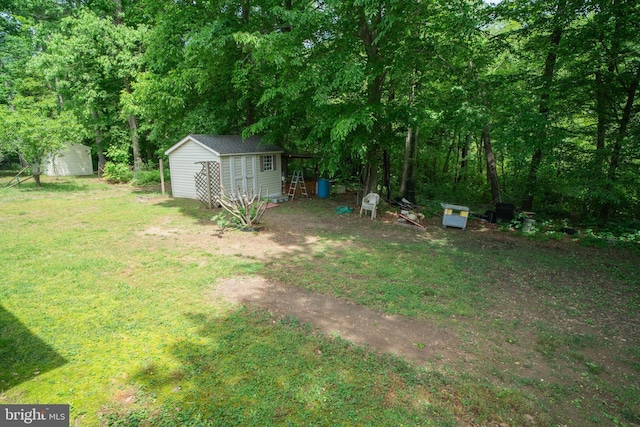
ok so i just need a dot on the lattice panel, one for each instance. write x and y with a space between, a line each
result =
208 183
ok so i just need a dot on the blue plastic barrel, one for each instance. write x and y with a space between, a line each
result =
324 188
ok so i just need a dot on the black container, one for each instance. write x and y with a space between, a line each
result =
504 212
490 216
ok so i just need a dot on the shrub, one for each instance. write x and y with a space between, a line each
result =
243 209
151 177
117 172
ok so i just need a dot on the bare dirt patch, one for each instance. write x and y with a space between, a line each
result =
420 341
563 343
295 234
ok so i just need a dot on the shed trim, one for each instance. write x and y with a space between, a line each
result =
185 140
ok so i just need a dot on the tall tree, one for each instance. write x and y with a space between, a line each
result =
616 80
92 61
32 121
36 124
541 135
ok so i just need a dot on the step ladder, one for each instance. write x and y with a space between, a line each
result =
295 180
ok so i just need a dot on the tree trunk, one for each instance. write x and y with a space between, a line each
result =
36 172
250 112
249 107
246 8
374 96
370 173
465 156
492 172
601 100
135 137
607 170
543 109
601 106
461 170
627 114
445 167
410 194
456 164
58 95
386 179
407 141
133 120
480 155
102 159
616 152
405 164
135 141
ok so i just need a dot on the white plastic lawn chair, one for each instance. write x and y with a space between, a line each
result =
369 203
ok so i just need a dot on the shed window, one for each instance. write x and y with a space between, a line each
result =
268 163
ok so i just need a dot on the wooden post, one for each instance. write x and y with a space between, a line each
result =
209 201
162 177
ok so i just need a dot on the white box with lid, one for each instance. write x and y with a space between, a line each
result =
454 216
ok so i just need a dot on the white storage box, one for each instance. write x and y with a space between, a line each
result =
454 216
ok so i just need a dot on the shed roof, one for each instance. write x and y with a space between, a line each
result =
229 144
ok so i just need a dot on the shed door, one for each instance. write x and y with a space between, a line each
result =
244 174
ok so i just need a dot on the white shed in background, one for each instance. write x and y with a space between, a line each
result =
241 163
73 160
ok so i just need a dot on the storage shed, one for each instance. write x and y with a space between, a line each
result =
73 160
227 160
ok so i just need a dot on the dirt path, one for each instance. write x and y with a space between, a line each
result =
526 338
420 341
415 340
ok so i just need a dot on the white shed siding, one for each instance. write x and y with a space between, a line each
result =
236 171
271 181
73 160
183 167
225 172
244 173
245 170
236 168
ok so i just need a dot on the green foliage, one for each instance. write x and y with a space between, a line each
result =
224 220
118 172
151 177
619 234
346 82
104 54
38 130
119 153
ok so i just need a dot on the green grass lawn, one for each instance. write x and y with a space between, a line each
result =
95 314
